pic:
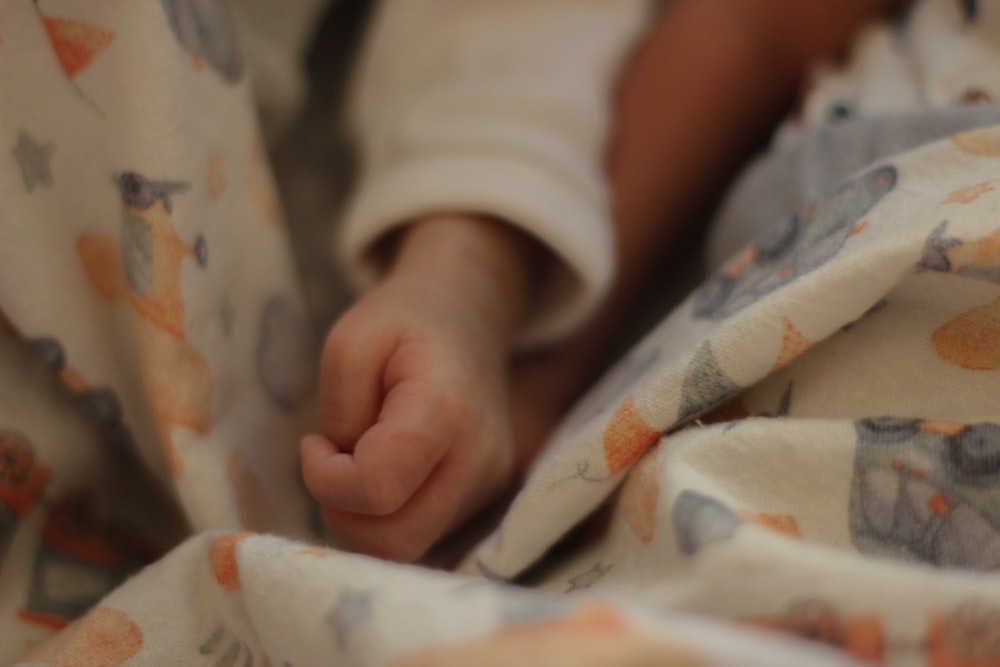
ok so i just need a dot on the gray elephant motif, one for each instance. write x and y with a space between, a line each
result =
798 245
205 29
928 491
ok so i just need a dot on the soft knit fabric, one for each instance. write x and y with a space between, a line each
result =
498 108
799 466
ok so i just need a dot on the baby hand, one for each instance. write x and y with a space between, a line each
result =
416 427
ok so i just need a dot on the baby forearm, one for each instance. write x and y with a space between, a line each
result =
798 32
710 81
484 266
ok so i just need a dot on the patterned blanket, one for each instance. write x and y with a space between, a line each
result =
800 465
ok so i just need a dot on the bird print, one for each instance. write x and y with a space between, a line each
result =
143 268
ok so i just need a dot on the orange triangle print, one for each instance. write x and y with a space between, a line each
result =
75 43
779 523
969 341
222 559
626 437
104 636
793 344
640 495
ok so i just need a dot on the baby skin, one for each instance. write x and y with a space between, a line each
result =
416 426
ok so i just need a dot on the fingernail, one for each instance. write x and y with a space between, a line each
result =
317 447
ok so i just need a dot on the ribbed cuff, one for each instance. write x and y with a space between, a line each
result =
573 225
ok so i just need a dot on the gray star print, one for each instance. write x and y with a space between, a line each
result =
33 158
353 607
589 578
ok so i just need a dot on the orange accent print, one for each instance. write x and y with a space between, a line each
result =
23 477
639 496
96 546
779 523
262 185
104 637
983 142
941 427
102 265
968 194
971 340
857 635
965 637
163 304
939 504
215 179
315 552
793 345
74 380
591 618
863 637
626 437
981 252
729 411
859 227
738 264
594 636
222 558
75 43
42 619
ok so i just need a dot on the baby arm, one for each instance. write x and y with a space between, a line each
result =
704 89
476 106
413 401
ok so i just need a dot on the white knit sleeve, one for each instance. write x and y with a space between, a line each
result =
497 107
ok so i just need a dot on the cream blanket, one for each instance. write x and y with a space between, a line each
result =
800 465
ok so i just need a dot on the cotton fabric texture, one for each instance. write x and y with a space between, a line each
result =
799 465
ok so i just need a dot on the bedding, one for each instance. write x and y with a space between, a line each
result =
797 466
800 464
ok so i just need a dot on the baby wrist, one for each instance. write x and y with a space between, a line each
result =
480 261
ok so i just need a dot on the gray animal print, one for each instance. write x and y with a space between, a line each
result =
798 245
205 29
700 520
928 491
